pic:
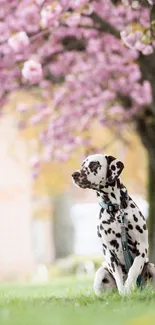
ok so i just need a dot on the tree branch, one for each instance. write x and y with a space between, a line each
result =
105 26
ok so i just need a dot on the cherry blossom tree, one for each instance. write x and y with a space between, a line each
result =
89 60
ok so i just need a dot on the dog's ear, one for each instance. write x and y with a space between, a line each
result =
114 169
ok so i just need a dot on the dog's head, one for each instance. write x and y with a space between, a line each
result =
97 171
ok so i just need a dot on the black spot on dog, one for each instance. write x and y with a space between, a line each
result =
105 246
137 252
118 184
144 227
114 258
100 214
123 191
119 165
139 229
118 219
109 173
145 250
94 166
113 195
128 234
135 218
105 280
101 227
130 226
98 232
113 232
109 231
132 205
109 159
143 255
118 235
141 215
112 183
130 242
133 250
113 167
109 221
113 261
114 243
113 266
123 269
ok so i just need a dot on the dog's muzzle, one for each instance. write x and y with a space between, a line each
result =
76 176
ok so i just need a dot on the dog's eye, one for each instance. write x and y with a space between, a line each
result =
94 165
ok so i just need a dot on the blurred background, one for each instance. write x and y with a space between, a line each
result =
73 88
47 224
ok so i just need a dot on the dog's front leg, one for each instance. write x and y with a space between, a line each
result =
118 276
116 271
134 272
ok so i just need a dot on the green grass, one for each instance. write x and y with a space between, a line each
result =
72 301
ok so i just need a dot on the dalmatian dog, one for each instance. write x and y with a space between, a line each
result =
102 174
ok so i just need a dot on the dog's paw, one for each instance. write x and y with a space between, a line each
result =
128 289
121 291
125 290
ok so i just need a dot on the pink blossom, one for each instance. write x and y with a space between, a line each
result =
50 14
73 19
90 83
116 109
151 2
19 41
30 18
4 32
3 10
147 50
34 161
21 125
47 154
39 2
134 40
46 112
65 4
140 46
131 39
88 9
76 4
32 71
60 155
35 173
7 58
36 119
22 108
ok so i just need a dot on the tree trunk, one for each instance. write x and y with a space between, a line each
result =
151 199
63 227
146 130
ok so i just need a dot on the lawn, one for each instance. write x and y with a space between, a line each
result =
71 301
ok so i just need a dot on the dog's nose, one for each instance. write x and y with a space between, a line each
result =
76 175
